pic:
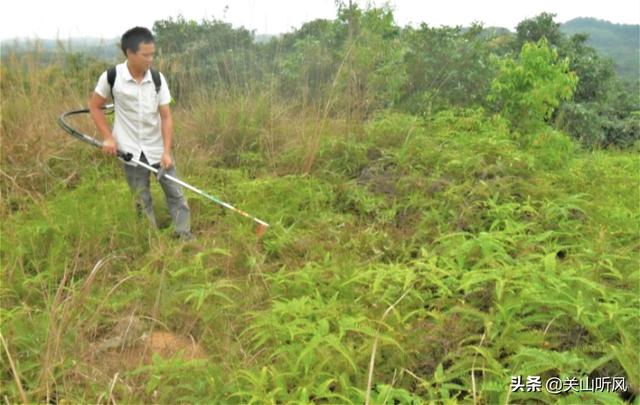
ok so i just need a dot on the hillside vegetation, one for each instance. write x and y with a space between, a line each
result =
436 226
621 42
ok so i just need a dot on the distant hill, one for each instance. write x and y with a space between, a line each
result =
97 47
262 38
621 42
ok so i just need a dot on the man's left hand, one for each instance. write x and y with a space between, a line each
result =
166 161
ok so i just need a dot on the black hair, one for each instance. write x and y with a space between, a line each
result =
134 37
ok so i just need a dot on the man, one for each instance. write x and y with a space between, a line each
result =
143 125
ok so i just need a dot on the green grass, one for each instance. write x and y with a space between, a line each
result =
491 255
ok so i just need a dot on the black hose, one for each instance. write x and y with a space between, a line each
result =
84 137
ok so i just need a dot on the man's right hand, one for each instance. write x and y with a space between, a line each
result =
109 146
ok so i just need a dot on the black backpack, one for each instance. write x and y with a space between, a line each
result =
111 78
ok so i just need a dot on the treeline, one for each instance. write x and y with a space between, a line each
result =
362 62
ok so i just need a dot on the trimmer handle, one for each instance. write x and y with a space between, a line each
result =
126 156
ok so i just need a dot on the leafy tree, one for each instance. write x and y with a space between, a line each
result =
595 72
446 67
529 89
208 53
582 117
308 59
620 112
541 26
373 74
601 112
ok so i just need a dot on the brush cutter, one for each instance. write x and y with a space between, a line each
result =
128 157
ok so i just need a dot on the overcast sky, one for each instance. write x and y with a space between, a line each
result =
107 19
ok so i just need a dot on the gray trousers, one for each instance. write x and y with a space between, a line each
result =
138 180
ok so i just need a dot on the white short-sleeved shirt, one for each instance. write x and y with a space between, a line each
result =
136 127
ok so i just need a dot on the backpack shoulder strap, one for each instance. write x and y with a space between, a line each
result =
111 78
155 75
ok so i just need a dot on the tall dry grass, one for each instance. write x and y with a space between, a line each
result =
232 125
37 157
